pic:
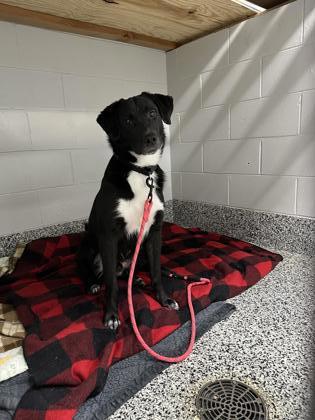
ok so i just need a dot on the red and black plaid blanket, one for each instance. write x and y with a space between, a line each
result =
67 349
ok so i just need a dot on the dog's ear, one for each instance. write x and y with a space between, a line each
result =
164 104
108 119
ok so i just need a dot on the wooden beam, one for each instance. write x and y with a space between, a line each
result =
16 14
171 20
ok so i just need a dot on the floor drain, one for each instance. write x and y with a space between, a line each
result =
230 400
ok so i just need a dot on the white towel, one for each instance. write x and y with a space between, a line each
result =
12 363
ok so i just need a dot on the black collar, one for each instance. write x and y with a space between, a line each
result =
145 170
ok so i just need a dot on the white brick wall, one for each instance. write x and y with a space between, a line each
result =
244 133
52 151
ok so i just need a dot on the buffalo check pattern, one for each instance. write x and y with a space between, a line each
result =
67 348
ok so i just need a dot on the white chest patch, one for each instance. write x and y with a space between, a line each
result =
132 210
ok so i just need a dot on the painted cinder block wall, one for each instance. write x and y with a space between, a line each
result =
242 135
244 130
52 152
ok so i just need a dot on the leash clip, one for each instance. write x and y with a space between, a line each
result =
149 181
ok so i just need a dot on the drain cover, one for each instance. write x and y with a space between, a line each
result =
230 400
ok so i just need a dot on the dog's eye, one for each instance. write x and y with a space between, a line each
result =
152 113
128 121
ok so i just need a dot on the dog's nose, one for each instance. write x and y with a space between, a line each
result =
150 139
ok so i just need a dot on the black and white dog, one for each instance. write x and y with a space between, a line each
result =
136 134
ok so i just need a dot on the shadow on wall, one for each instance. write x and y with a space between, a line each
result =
247 78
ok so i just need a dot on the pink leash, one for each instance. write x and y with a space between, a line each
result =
145 217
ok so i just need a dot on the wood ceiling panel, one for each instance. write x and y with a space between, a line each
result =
177 21
163 24
43 20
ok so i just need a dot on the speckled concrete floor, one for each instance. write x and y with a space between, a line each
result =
265 343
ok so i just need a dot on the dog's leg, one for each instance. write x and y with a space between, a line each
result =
153 252
108 249
85 257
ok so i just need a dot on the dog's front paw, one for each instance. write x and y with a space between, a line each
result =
112 322
168 302
94 289
172 304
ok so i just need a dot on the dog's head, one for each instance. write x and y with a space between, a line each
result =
135 125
